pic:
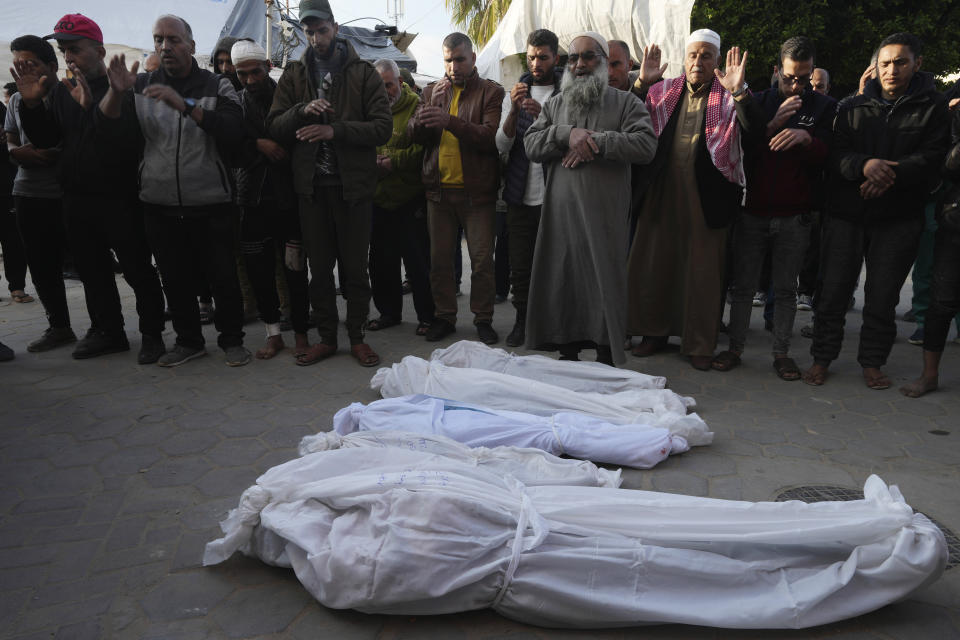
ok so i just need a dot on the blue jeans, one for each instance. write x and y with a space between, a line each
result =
786 238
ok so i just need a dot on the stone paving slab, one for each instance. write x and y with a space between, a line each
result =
114 476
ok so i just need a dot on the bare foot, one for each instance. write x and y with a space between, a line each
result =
876 379
301 344
919 387
815 375
273 347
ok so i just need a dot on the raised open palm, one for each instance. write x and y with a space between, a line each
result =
31 84
651 70
121 79
735 72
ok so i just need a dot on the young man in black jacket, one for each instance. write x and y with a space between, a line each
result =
888 146
99 193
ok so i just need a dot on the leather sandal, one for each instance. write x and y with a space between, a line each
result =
725 361
786 369
366 356
315 353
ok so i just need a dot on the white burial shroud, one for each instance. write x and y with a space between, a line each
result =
400 531
634 445
576 376
414 375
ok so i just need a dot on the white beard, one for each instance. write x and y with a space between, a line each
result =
584 94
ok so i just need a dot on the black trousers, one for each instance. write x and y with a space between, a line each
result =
945 298
501 256
811 261
187 245
264 233
14 259
889 249
397 234
44 236
523 222
95 225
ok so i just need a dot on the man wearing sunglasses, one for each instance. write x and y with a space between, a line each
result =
781 169
586 138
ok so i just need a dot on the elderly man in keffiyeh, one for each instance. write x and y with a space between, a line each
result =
676 265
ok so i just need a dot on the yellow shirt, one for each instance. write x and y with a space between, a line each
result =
451 169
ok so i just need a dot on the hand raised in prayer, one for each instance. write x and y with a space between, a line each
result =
651 71
735 71
518 94
532 107
121 79
581 148
789 107
30 83
880 172
953 104
790 138
434 117
868 74
440 90
80 91
315 133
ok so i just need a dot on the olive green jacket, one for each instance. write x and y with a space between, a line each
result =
404 182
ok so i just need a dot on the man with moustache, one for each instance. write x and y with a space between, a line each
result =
781 168
183 120
100 206
269 206
586 138
330 107
676 266
523 179
457 126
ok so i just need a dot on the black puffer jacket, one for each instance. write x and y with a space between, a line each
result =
257 177
912 131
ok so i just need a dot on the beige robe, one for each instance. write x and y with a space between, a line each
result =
676 264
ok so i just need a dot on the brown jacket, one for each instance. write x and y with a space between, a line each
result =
475 126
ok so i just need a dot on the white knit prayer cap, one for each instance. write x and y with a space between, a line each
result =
245 50
600 40
704 35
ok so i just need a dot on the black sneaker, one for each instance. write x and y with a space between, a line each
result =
6 353
237 356
516 337
100 343
52 338
486 333
151 348
439 330
180 354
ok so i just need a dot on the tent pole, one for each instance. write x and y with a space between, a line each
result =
269 4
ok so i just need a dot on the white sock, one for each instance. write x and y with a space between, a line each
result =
273 329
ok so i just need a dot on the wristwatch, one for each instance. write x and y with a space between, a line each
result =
739 92
189 105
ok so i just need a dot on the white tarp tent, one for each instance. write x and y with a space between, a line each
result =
638 23
126 25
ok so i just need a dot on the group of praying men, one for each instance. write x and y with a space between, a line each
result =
633 201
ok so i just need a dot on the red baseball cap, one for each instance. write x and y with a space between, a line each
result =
75 26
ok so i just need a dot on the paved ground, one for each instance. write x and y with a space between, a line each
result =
114 476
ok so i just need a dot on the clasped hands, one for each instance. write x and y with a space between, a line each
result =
316 132
879 175
580 148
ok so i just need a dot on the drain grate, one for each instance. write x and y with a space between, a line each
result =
825 493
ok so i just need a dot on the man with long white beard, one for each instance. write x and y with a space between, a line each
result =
696 182
586 138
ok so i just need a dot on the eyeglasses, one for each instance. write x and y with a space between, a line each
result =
795 80
587 56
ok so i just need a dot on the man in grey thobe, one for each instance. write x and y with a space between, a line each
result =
586 138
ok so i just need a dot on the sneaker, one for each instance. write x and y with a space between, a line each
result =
439 330
759 299
804 303
52 338
917 337
807 331
518 336
180 354
6 353
486 333
237 356
151 348
100 343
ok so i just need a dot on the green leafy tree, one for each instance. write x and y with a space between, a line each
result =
478 18
845 33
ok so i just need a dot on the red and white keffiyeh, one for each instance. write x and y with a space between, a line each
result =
722 130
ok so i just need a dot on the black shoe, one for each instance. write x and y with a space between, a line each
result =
517 335
51 339
439 330
6 353
99 343
151 348
486 333
605 354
